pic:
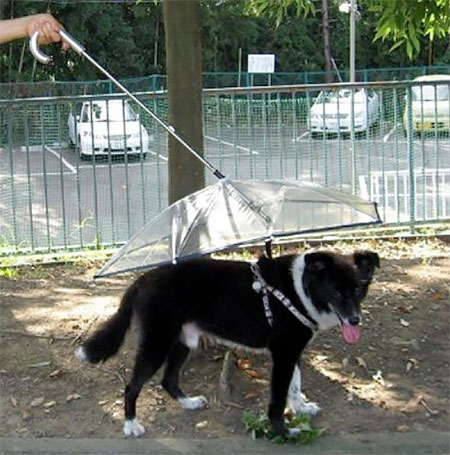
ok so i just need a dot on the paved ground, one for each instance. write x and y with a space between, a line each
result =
421 443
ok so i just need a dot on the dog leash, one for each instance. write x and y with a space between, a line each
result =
261 286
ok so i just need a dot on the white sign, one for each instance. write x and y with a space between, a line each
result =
261 63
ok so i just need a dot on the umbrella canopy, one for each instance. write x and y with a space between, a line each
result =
232 213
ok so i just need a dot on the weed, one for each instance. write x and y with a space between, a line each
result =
258 426
9 272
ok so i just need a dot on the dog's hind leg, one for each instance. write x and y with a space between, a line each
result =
170 380
297 401
144 369
153 351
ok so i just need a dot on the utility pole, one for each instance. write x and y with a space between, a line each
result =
353 7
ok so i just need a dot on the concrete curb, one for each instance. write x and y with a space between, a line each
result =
418 443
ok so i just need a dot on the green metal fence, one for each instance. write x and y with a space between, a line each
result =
157 82
393 147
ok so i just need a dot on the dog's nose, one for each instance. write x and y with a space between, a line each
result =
354 320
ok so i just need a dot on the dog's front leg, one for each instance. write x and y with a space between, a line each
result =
297 401
282 370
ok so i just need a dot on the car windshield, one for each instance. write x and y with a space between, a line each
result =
341 96
113 112
431 92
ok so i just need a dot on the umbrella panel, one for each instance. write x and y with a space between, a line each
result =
231 213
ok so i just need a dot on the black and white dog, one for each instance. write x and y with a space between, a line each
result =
276 304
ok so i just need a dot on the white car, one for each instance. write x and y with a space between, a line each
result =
107 127
430 105
331 111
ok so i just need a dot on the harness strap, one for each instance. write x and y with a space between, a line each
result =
261 286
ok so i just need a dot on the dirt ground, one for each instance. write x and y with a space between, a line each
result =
396 379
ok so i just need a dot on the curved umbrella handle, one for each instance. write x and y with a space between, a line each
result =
44 58
37 53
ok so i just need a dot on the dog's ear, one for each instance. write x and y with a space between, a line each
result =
366 261
318 262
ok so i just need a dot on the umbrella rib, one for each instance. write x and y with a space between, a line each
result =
267 219
192 226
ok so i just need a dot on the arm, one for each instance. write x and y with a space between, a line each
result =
47 26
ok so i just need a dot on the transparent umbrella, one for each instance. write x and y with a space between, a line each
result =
231 213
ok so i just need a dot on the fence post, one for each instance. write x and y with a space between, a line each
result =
410 155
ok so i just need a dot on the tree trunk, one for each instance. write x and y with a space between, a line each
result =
326 41
184 84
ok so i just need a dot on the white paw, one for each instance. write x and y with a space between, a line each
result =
192 403
300 405
133 428
80 354
293 432
308 407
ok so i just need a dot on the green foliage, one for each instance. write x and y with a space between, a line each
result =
280 9
406 22
258 426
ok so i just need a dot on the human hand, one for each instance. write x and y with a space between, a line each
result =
48 28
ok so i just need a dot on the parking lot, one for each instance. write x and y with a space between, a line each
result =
58 200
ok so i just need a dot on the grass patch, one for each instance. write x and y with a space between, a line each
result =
9 272
258 426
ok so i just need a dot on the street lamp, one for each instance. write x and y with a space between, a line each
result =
352 8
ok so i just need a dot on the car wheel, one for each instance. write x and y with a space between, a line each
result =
82 156
375 126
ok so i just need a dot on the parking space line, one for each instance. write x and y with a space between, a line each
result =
299 138
62 159
230 144
162 157
388 135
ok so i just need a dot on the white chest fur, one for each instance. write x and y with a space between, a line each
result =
325 320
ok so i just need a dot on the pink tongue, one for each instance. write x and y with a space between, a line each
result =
350 333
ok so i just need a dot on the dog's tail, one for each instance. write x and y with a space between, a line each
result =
107 339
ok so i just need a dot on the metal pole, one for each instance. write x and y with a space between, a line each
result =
239 67
353 8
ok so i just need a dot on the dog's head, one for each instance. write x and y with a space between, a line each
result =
336 284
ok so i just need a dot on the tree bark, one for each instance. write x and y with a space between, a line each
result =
184 84
326 41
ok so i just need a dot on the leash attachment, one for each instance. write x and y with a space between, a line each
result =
261 286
